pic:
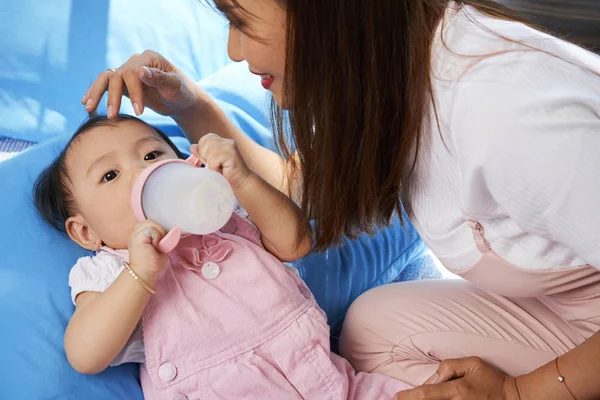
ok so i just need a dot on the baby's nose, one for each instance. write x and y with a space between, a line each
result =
136 170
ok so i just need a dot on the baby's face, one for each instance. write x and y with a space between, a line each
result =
103 164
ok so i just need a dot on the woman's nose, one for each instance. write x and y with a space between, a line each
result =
234 45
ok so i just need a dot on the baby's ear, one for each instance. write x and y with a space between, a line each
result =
79 231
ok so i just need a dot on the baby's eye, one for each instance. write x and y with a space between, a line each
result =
109 176
153 155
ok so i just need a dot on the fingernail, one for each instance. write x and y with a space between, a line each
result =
83 98
434 379
110 111
136 108
147 72
88 105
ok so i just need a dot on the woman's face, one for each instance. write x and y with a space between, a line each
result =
258 35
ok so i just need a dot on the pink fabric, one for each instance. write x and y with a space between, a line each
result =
516 319
252 332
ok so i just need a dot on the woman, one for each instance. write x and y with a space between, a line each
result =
487 129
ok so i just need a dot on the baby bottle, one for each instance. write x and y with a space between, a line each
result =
183 199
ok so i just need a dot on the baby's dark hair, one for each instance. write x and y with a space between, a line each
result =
51 192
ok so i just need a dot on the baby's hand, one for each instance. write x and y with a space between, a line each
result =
146 261
223 156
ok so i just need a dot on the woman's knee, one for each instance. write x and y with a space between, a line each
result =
372 323
383 318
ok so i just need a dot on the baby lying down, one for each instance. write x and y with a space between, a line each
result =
220 317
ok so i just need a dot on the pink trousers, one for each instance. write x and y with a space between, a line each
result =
515 319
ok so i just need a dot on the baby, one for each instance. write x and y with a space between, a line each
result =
220 317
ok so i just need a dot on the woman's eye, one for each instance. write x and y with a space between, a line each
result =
152 155
109 176
234 24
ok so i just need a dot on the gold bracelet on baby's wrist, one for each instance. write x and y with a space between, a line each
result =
137 278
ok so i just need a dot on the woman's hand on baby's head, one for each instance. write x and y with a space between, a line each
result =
223 156
149 80
144 258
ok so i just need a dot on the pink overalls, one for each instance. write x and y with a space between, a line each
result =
230 321
516 319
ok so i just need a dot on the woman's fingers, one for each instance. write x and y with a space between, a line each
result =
115 92
134 89
167 82
148 79
86 95
454 368
96 91
443 391
117 83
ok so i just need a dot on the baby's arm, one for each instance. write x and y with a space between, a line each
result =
103 322
277 217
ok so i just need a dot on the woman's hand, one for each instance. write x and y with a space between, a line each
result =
464 379
223 156
149 80
145 259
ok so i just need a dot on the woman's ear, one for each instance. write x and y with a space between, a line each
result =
79 231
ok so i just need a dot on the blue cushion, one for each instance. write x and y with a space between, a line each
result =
51 51
341 274
34 298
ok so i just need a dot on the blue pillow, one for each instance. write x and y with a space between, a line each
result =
341 274
51 52
34 297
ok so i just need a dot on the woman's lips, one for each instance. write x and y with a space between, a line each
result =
267 81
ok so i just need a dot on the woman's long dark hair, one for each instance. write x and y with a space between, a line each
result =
359 87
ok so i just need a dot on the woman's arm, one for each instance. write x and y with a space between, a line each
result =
103 323
579 367
473 379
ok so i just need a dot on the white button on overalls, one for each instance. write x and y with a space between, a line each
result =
167 372
211 270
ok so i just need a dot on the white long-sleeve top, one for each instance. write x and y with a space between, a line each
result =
518 147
